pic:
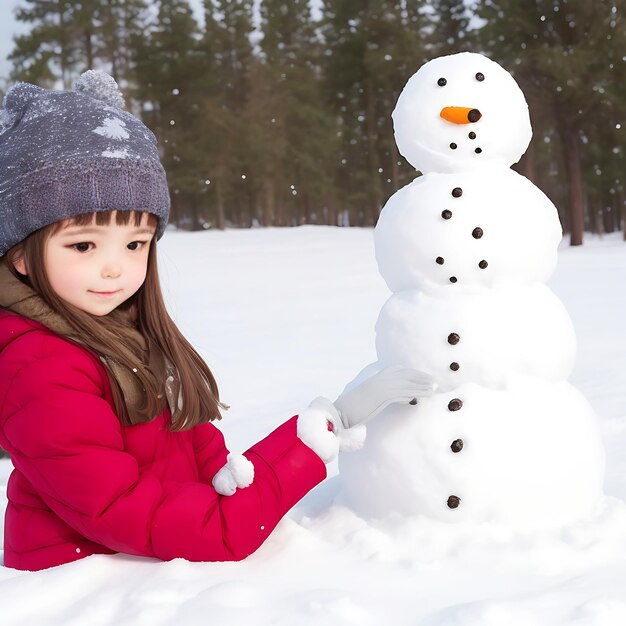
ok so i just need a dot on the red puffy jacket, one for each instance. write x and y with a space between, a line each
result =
84 484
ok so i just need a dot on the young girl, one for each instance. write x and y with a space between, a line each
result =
105 408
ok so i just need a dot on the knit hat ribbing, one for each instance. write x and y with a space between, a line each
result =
63 153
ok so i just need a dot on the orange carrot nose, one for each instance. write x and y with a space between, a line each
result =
460 115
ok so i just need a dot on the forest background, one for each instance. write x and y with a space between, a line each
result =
271 114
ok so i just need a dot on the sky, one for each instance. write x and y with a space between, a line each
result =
8 28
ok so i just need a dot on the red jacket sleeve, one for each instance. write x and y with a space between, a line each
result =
65 438
210 451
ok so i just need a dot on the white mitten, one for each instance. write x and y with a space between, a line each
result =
237 473
328 427
320 428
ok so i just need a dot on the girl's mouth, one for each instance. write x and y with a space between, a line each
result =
105 293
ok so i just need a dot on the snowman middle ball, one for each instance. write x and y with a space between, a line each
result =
467 229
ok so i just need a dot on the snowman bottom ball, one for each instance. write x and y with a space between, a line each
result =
528 457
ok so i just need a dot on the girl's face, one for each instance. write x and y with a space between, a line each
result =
97 268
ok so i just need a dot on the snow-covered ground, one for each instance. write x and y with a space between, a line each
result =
284 315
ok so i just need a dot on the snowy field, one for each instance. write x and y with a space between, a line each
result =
284 315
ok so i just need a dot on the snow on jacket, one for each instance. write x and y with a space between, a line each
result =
84 484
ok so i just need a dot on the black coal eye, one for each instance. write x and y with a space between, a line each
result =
442 82
480 76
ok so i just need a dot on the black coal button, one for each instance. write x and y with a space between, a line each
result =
457 192
439 260
483 264
457 445
453 339
453 502
477 233
453 279
454 366
446 214
454 405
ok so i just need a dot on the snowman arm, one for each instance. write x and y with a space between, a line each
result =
319 427
367 372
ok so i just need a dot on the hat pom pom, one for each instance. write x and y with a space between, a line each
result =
101 86
20 95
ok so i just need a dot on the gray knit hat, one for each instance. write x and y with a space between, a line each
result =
63 153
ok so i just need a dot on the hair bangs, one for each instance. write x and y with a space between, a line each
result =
103 218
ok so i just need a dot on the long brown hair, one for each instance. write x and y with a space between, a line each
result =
199 401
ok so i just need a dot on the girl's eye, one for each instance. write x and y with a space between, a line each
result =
83 246
136 245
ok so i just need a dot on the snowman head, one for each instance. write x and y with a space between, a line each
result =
461 112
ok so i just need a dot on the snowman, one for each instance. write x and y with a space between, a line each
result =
466 250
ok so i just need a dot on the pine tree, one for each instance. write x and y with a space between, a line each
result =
373 47
294 132
167 66
449 21
223 134
60 44
48 51
121 23
604 155
70 36
565 55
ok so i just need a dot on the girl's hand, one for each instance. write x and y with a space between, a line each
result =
320 428
328 427
238 472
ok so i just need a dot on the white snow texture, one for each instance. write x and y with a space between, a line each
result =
323 564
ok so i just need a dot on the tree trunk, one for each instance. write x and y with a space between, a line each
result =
600 230
528 165
193 205
308 217
622 209
376 199
114 25
280 207
220 218
64 53
331 211
88 48
570 139
269 203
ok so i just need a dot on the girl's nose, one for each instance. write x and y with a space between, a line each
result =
460 115
111 270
